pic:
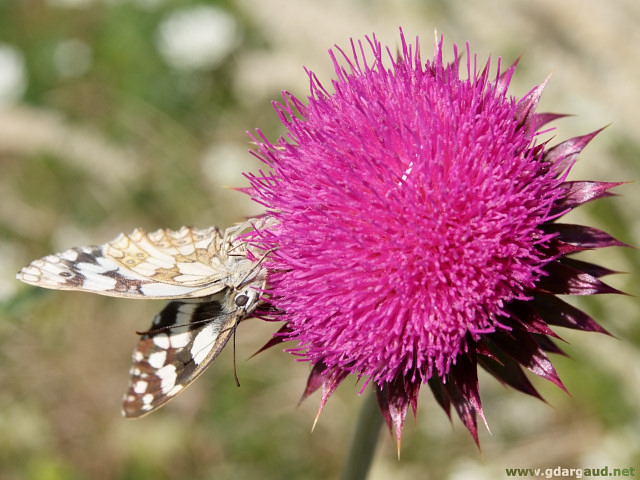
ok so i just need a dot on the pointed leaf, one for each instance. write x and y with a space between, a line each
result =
315 380
464 409
522 347
565 280
557 248
581 192
509 372
582 236
279 337
542 119
527 317
394 400
331 380
465 375
482 349
549 345
558 312
564 155
592 269
526 107
382 395
439 393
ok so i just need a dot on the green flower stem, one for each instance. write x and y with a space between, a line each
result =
364 441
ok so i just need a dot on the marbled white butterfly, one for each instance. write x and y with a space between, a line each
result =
211 282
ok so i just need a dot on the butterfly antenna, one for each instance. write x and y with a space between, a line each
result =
166 328
257 265
235 370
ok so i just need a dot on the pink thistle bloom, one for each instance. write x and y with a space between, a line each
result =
415 230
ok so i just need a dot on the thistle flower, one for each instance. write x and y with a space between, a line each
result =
416 232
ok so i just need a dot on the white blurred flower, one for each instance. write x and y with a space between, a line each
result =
13 76
197 37
72 57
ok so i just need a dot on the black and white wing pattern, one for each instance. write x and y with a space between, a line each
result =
186 263
185 337
212 284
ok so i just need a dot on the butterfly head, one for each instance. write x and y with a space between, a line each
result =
246 296
246 300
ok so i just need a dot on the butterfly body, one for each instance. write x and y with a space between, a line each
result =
209 277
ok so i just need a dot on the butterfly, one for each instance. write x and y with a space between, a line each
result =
212 280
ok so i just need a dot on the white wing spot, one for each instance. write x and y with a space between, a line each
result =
100 284
168 376
203 343
146 401
174 390
161 340
140 386
29 277
102 265
180 340
185 311
71 255
157 359
138 356
164 290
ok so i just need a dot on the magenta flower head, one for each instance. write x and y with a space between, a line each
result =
415 230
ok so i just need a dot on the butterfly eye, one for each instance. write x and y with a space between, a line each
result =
241 300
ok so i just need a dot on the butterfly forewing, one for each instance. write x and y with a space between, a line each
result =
163 264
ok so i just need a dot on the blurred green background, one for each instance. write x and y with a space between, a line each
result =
132 113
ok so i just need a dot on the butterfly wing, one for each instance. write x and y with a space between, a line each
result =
186 337
208 277
186 263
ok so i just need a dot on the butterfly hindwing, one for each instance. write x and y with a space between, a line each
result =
185 337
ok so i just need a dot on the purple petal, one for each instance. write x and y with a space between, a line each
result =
502 83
